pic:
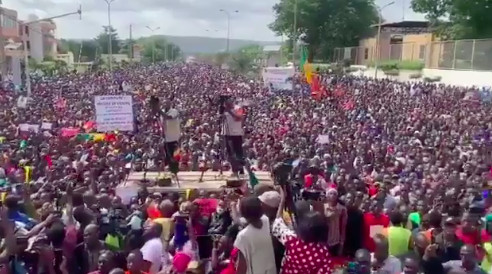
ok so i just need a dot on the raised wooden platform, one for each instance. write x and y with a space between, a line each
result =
212 180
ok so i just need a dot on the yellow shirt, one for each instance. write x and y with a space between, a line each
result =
398 239
486 263
167 228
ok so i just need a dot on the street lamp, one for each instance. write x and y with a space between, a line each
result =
110 40
153 42
294 39
378 37
228 25
24 44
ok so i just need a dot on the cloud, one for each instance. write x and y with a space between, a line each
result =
174 17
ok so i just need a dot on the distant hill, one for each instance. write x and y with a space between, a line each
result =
191 44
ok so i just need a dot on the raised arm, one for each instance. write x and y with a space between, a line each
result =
10 241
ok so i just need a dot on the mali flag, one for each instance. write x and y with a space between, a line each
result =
305 66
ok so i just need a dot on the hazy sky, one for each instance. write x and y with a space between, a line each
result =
174 17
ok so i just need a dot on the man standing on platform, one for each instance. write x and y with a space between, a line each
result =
172 132
233 132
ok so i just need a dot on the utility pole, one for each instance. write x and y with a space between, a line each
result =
80 50
131 43
294 38
228 27
153 42
165 51
378 37
110 36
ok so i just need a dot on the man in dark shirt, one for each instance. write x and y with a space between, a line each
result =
86 254
467 264
448 244
355 219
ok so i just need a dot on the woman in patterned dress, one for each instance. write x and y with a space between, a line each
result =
305 251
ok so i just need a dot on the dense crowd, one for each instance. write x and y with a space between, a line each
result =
387 177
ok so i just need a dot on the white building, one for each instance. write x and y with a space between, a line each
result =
35 45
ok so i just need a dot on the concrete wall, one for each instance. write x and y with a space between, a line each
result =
415 44
409 49
68 58
461 77
465 78
370 45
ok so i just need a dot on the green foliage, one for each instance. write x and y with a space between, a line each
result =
221 58
389 66
245 59
396 64
417 75
49 68
325 24
432 79
89 49
349 70
391 72
160 47
102 41
466 18
411 65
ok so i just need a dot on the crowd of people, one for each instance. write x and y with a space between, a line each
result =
386 177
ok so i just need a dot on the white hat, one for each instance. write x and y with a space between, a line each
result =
270 198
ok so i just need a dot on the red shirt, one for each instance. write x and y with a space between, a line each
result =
231 266
371 220
206 206
473 238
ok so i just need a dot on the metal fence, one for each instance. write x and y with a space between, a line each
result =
459 54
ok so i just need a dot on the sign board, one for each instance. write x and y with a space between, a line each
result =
114 113
279 78
29 127
22 102
323 139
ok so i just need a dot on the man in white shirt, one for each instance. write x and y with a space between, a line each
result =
254 242
153 249
172 130
233 132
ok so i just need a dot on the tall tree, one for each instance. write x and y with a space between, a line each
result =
325 24
244 60
89 49
457 19
103 41
160 47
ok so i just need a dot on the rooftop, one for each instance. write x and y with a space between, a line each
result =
404 24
